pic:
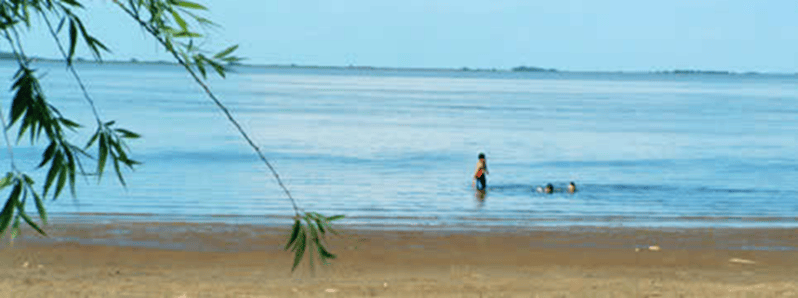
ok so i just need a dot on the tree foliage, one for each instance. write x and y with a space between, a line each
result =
172 24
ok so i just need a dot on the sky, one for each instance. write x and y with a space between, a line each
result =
576 35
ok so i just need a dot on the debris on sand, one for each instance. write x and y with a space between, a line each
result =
741 261
650 248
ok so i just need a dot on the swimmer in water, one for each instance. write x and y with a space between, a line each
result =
481 171
548 189
571 187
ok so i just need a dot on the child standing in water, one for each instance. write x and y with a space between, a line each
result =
481 171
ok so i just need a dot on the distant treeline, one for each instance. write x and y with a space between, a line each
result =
695 71
10 56
533 69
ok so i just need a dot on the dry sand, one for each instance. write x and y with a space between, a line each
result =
214 260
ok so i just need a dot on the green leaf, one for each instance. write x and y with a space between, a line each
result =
128 134
313 234
185 33
62 175
334 218
310 256
232 59
68 123
95 45
7 180
73 40
179 20
219 68
8 24
119 151
226 52
119 172
73 3
16 191
323 251
8 210
204 21
188 4
28 180
129 162
39 206
103 153
48 154
199 61
23 96
294 234
60 25
32 224
190 46
26 123
55 167
15 228
334 232
93 139
300 251
318 223
70 166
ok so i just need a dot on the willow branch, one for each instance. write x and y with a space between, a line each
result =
215 100
21 61
72 69
77 78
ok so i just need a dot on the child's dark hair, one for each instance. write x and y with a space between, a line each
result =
481 156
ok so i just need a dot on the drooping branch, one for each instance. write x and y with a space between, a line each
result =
6 125
71 68
213 97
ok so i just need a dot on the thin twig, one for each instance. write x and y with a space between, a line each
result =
215 101
72 69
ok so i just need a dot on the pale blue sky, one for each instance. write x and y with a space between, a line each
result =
570 35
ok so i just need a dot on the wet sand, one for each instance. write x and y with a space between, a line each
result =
215 260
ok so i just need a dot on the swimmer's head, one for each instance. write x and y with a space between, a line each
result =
571 187
549 188
481 156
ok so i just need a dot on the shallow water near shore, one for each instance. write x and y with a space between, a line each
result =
397 148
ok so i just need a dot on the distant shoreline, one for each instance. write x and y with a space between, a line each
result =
518 69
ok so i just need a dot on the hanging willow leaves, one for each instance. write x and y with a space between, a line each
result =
171 23
310 235
14 208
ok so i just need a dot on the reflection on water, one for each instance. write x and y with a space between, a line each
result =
480 196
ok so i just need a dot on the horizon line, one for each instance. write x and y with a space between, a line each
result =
520 68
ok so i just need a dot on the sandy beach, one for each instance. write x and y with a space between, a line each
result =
216 260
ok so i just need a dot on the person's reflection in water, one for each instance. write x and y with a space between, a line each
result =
480 195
